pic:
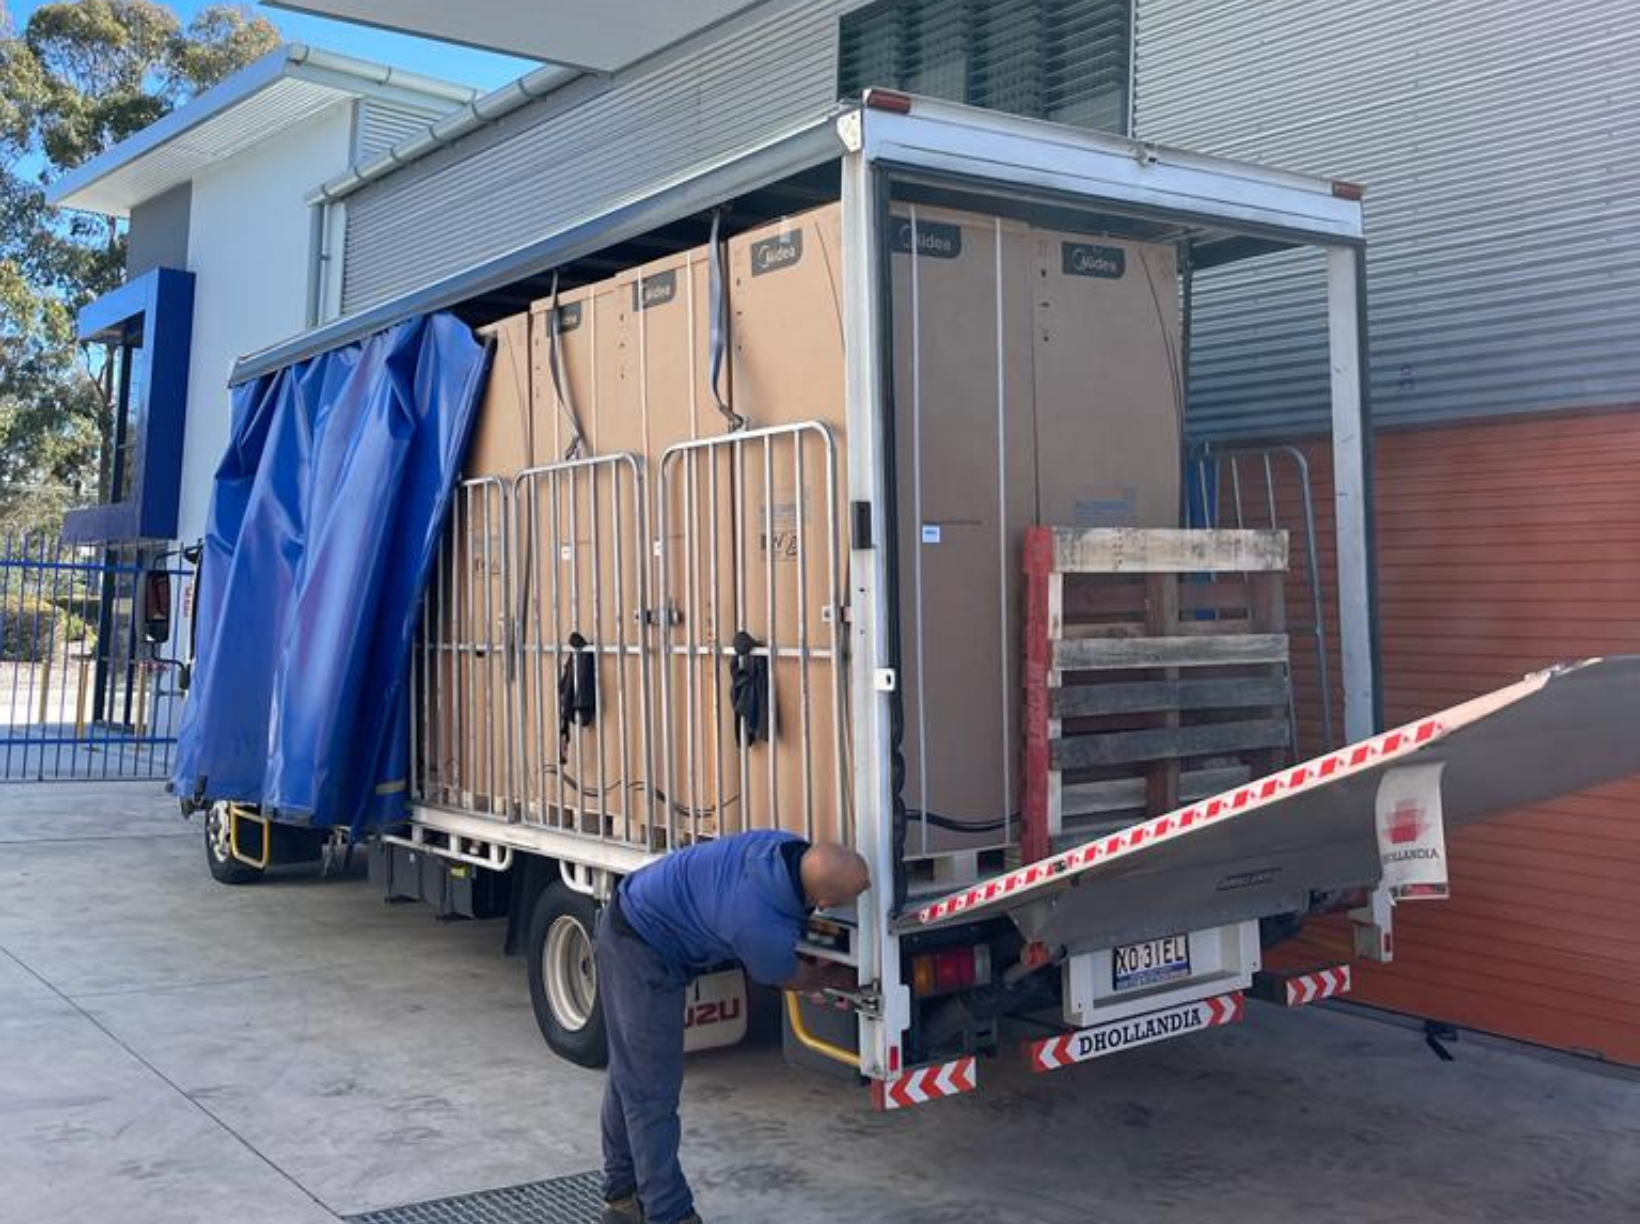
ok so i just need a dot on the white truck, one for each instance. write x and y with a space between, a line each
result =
887 537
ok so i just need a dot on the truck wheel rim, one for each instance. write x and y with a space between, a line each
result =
570 976
218 833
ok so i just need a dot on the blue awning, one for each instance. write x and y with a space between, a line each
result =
323 528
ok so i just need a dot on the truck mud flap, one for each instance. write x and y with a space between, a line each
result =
1263 848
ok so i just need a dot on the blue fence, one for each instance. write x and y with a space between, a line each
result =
93 659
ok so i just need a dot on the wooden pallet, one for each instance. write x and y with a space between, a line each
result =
1156 673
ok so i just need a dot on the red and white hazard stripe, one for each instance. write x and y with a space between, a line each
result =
923 1084
1232 803
1118 1035
1307 988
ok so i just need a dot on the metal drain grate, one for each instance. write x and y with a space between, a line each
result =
575 1199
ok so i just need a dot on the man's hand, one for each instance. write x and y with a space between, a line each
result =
814 976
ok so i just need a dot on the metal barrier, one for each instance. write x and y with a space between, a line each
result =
550 688
91 682
459 686
1241 486
757 587
581 571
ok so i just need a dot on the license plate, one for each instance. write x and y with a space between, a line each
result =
1150 962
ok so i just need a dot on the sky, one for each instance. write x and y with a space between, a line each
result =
481 69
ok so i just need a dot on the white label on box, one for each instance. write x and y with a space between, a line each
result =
1411 839
931 533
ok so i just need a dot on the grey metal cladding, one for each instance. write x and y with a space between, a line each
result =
1498 145
584 149
380 125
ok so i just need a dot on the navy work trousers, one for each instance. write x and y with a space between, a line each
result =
643 1009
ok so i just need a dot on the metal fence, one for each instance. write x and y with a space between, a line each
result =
579 673
92 671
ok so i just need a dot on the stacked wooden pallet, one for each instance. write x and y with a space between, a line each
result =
1156 673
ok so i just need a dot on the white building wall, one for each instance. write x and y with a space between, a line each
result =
248 245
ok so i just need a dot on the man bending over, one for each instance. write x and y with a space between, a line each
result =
743 898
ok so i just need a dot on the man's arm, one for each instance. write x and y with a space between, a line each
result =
813 976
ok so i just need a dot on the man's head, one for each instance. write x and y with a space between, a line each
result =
833 875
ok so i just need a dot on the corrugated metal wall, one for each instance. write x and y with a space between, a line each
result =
379 125
1498 145
1506 546
585 148
547 166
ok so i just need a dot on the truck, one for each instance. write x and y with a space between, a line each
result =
843 486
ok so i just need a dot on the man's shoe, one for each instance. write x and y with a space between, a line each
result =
624 1210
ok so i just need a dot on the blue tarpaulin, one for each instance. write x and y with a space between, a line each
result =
323 527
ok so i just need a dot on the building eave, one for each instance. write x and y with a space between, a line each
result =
283 88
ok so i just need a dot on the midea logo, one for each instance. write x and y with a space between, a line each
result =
935 239
772 254
654 290
1090 259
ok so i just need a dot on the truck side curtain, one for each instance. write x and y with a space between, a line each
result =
324 524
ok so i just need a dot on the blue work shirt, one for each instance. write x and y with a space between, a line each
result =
732 899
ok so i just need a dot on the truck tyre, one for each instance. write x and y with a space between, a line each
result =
225 869
563 977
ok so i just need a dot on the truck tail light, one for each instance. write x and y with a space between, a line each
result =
950 970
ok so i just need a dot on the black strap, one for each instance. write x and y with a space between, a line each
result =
577 692
717 291
555 367
749 689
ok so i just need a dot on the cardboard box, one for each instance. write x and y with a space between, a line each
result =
789 369
1036 379
466 727
1109 386
580 522
656 352
967 454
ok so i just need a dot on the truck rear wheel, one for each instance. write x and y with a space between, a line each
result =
563 976
225 869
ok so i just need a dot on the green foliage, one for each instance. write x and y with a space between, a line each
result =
219 41
78 79
33 628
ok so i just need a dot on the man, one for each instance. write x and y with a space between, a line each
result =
744 898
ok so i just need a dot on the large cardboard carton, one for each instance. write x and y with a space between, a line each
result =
658 353
503 431
465 719
1036 379
582 559
1108 382
966 453
788 374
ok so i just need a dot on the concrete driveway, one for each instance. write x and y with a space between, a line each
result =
172 1050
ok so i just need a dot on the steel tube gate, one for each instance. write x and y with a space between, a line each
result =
91 676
